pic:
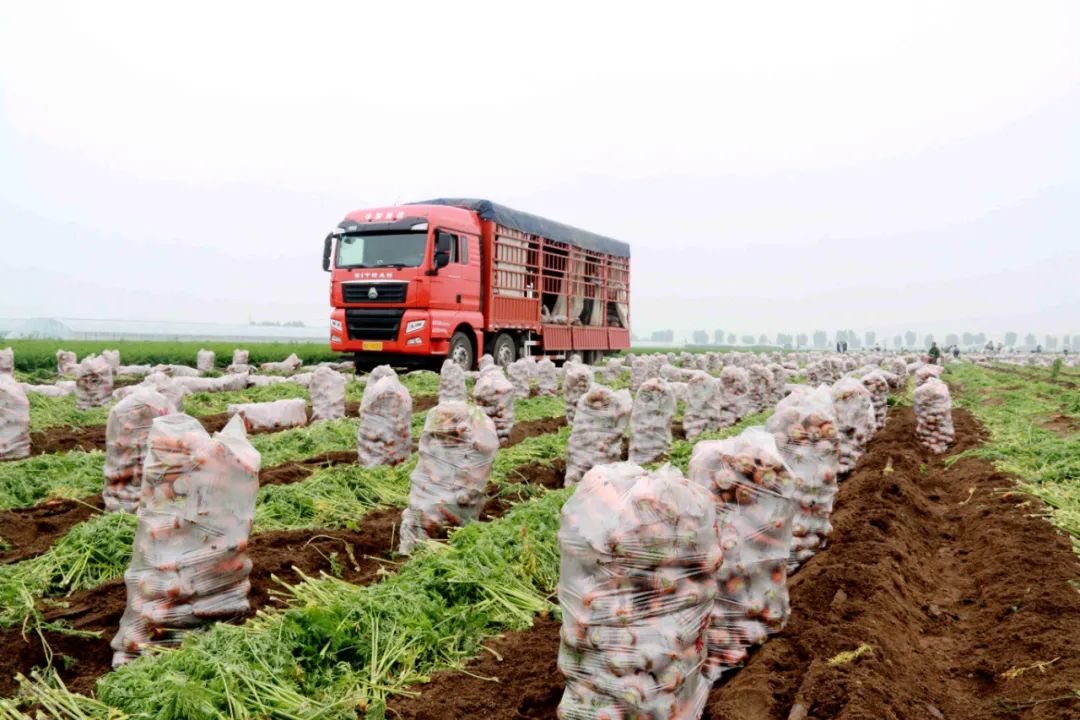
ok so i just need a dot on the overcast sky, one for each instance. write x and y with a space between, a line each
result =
775 167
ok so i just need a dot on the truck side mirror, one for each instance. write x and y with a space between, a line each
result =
443 243
327 243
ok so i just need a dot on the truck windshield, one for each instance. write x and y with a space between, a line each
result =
381 250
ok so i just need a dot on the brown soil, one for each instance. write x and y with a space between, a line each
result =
357 556
1063 425
32 531
950 578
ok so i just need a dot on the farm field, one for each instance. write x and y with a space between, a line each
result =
948 588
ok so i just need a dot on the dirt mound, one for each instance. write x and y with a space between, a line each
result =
948 580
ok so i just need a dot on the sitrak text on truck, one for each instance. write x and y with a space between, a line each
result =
414 284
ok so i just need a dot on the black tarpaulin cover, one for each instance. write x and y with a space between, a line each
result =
535 225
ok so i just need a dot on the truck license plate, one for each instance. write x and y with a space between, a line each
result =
376 346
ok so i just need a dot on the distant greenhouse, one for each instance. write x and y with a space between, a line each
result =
94 329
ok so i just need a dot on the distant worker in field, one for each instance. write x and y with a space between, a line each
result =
956 351
935 353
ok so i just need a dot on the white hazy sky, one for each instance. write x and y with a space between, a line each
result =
775 166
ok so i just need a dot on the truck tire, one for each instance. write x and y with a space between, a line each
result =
504 350
461 350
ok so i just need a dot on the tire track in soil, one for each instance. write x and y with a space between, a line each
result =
360 555
31 531
948 574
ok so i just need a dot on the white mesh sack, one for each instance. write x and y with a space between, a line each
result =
731 398
613 369
377 374
486 361
126 434
66 363
113 358
760 391
494 394
547 380
650 421
596 437
274 415
173 390
289 365
878 386
804 427
385 434
933 415
239 369
175 370
520 377
928 372
134 370
14 420
189 564
93 383
61 388
204 360
451 382
639 371
448 486
576 381
855 421
700 414
7 362
638 557
752 487
264 380
239 357
780 380
327 389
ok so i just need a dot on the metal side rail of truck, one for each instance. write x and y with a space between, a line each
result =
412 285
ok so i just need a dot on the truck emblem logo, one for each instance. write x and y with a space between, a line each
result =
372 294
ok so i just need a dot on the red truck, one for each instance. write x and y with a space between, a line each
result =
414 284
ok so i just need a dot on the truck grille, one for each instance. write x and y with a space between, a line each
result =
360 292
373 323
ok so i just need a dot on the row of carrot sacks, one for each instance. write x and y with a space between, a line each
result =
666 581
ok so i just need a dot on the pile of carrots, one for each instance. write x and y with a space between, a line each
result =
650 421
577 379
495 395
93 382
597 435
933 415
855 420
14 420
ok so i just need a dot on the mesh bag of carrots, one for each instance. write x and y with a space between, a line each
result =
327 394
189 564
752 487
928 372
597 435
93 383
732 396
804 427
639 554
520 376
547 380
14 420
204 360
451 382
289 365
448 486
700 413
760 392
577 379
779 381
385 433
855 421
650 421
7 362
274 415
878 386
66 363
495 395
126 434
933 415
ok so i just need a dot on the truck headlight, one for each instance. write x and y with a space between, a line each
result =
335 325
414 341
335 340
413 326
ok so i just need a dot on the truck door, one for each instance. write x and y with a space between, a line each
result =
447 285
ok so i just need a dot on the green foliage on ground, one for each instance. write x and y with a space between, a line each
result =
72 474
1034 428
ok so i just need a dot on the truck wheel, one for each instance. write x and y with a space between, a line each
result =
504 350
461 350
